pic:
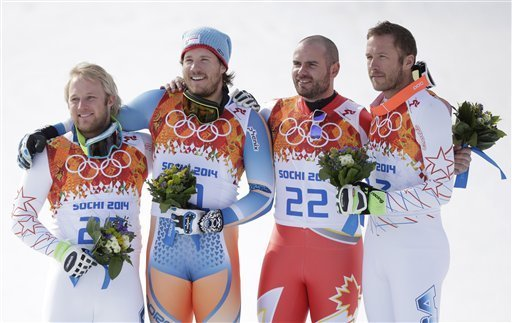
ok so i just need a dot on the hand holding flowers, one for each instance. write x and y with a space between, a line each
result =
478 129
345 169
112 243
346 166
172 190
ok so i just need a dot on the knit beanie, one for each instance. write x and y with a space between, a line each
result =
209 38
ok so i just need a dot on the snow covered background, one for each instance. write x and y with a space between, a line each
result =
467 47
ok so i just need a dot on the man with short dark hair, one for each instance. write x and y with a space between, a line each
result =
406 249
314 258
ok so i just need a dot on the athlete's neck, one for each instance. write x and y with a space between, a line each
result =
224 100
388 94
225 96
321 103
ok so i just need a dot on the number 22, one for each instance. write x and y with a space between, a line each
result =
311 203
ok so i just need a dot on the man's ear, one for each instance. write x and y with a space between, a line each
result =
110 102
409 62
335 69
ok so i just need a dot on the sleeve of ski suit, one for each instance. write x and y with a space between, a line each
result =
259 170
29 201
133 116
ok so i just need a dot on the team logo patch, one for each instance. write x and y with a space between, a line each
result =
194 39
414 103
426 303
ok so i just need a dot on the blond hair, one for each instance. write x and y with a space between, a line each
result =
95 72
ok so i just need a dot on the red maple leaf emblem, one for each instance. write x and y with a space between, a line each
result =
348 296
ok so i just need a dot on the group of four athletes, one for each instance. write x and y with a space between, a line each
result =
314 261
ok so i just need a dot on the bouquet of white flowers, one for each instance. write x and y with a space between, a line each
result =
112 243
345 169
477 129
346 166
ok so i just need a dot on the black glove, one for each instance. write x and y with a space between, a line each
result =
34 143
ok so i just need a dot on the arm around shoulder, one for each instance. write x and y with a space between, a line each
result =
136 115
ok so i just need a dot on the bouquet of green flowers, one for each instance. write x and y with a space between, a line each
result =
112 243
173 188
347 166
475 127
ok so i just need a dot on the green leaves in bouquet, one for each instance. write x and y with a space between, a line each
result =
116 263
115 266
476 127
104 251
346 166
94 229
173 187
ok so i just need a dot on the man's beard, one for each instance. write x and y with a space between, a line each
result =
206 92
97 128
318 88
391 85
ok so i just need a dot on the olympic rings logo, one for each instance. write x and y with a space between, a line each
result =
387 125
86 163
300 129
185 123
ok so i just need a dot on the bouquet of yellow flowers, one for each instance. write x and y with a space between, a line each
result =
112 243
173 188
